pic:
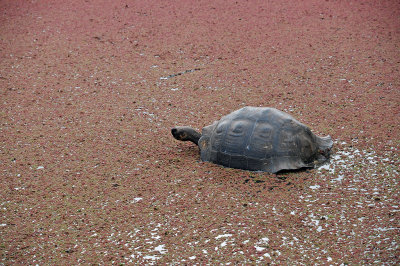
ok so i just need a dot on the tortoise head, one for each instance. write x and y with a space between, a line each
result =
186 134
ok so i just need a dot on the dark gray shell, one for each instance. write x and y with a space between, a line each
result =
261 139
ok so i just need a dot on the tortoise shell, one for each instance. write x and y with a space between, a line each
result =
262 139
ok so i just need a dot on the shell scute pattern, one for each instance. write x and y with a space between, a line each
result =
259 138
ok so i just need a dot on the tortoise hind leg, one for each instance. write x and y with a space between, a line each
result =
324 147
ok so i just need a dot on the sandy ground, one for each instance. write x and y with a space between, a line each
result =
91 174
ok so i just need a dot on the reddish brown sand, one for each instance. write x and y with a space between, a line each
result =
91 174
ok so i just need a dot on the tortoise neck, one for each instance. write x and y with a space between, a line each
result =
193 135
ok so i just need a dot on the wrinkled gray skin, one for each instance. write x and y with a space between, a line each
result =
258 139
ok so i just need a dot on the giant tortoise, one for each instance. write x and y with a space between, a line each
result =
258 139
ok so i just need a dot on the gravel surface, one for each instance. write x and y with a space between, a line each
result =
90 173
